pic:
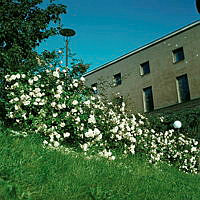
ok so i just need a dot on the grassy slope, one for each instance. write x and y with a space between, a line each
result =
28 171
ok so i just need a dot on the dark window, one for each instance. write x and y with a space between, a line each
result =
118 100
178 54
145 68
183 88
94 88
118 79
148 99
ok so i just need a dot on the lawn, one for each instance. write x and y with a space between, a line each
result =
29 171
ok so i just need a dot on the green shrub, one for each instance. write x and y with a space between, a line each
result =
62 110
190 119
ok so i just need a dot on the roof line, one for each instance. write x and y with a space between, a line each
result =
144 47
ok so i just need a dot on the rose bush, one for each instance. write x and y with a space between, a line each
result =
64 112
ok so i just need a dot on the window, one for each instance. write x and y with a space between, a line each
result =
118 100
148 99
145 68
94 88
178 55
118 79
183 88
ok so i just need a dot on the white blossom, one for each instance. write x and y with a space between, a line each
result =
92 119
74 102
67 134
30 81
56 74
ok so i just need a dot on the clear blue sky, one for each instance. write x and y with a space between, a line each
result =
108 29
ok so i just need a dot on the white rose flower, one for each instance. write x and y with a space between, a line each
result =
78 119
56 74
18 76
62 124
112 158
92 119
66 135
7 77
74 110
94 89
87 102
37 90
30 81
56 144
75 84
74 102
90 133
59 91
13 77
15 85
16 99
35 78
119 137
93 98
59 106
53 104
132 139
96 131
82 79
59 87
84 147
26 103
55 114
37 99
63 105
193 149
57 96
45 142
11 115
23 76
99 137
58 136
16 107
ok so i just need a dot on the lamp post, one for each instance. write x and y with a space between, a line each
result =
177 125
67 33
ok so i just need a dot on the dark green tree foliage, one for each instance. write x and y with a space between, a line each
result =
23 25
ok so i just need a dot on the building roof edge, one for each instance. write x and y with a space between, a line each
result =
144 47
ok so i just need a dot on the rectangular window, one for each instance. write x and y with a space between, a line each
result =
94 88
178 55
118 100
148 99
118 79
145 68
183 88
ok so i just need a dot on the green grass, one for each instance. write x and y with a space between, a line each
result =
28 171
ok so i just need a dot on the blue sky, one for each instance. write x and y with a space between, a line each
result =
107 29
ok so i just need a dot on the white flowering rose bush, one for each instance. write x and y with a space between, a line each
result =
64 112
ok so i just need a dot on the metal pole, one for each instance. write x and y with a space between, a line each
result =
67 51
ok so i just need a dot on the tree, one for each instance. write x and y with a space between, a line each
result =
23 25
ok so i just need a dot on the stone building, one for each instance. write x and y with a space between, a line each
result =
162 75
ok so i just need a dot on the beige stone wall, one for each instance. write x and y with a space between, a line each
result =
163 71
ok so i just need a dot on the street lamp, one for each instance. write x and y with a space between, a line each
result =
67 33
198 5
177 124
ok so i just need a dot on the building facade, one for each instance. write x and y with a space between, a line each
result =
164 74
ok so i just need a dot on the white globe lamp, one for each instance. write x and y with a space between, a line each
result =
177 124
